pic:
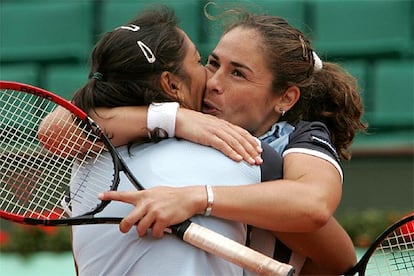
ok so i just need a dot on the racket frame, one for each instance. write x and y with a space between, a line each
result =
360 267
77 114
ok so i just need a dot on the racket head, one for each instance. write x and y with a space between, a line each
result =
392 253
54 176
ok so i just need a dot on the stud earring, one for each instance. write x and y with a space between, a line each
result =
282 112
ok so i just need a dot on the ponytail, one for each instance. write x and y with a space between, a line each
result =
332 97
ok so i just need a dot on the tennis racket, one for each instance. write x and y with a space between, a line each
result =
47 186
392 253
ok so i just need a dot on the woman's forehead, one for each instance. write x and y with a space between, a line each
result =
241 46
242 38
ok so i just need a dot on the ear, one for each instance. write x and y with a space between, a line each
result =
289 98
170 84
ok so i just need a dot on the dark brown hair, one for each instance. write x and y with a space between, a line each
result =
121 74
329 95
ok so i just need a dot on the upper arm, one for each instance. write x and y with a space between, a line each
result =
319 176
311 159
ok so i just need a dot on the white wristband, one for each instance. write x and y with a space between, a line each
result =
162 115
210 200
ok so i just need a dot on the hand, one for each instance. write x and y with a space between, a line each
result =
159 207
234 141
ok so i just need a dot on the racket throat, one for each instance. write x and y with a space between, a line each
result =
179 229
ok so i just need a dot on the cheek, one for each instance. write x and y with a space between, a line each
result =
201 80
247 108
209 74
241 98
197 94
235 106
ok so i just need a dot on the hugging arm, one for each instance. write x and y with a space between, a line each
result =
297 215
127 124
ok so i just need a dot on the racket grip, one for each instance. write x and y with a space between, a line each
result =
234 252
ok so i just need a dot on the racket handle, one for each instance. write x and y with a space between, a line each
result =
234 252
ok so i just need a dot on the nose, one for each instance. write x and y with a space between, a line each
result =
213 82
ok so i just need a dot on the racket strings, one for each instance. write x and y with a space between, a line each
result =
12 124
23 162
41 183
89 179
95 167
395 254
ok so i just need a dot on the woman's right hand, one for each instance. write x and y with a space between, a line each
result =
234 141
159 207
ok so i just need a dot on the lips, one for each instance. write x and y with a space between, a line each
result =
210 108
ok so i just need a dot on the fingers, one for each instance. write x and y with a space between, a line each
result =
127 197
238 144
139 216
154 222
130 220
134 216
234 141
145 221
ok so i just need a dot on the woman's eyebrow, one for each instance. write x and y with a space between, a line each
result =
237 64
214 56
233 63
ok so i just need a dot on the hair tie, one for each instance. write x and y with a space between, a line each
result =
317 62
97 76
304 48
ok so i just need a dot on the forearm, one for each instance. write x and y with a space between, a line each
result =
301 202
129 124
122 124
281 205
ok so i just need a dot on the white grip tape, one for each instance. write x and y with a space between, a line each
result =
234 252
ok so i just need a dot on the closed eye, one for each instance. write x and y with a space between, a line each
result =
238 73
212 64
